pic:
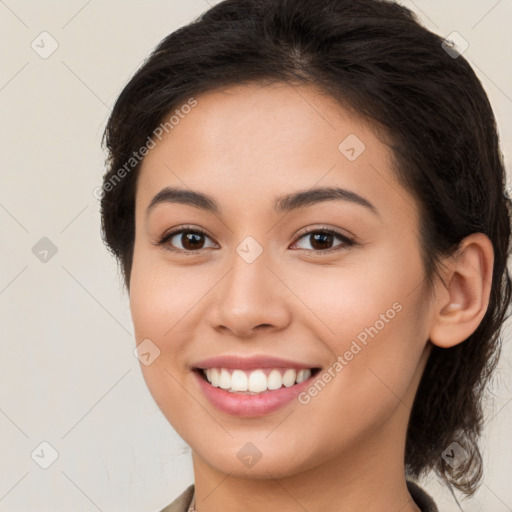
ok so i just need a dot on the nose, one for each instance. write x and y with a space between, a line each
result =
250 298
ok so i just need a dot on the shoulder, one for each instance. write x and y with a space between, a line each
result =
421 497
182 502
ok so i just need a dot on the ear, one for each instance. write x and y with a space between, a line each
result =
460 305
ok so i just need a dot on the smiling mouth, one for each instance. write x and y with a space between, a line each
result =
256 381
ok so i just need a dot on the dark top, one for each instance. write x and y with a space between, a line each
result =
423 500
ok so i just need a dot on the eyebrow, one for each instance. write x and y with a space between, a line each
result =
282 204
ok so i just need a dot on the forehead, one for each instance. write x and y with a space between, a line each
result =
262 140
255 113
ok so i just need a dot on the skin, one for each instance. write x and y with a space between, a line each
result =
344 450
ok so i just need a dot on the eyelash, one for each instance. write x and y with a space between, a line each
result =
347 242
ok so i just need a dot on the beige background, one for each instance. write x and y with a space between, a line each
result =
68 376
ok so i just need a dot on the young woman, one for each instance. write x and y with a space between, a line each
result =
307 201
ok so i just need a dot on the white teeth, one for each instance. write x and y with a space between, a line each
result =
224 379
214 374
274 380
255 381
289 378
303 375
239 381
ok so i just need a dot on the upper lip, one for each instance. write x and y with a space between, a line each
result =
249 363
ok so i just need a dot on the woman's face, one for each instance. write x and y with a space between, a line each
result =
256 284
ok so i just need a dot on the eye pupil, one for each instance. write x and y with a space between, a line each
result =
192 238
321 236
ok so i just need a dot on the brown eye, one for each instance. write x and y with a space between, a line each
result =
321 240
185 240
192 241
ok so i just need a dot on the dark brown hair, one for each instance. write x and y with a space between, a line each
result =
376 59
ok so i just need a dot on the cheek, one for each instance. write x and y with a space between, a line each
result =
344 303
351 295
376 322
157 306
373 384
159 297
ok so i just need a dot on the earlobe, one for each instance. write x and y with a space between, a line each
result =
461 304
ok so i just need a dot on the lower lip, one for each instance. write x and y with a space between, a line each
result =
241 404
